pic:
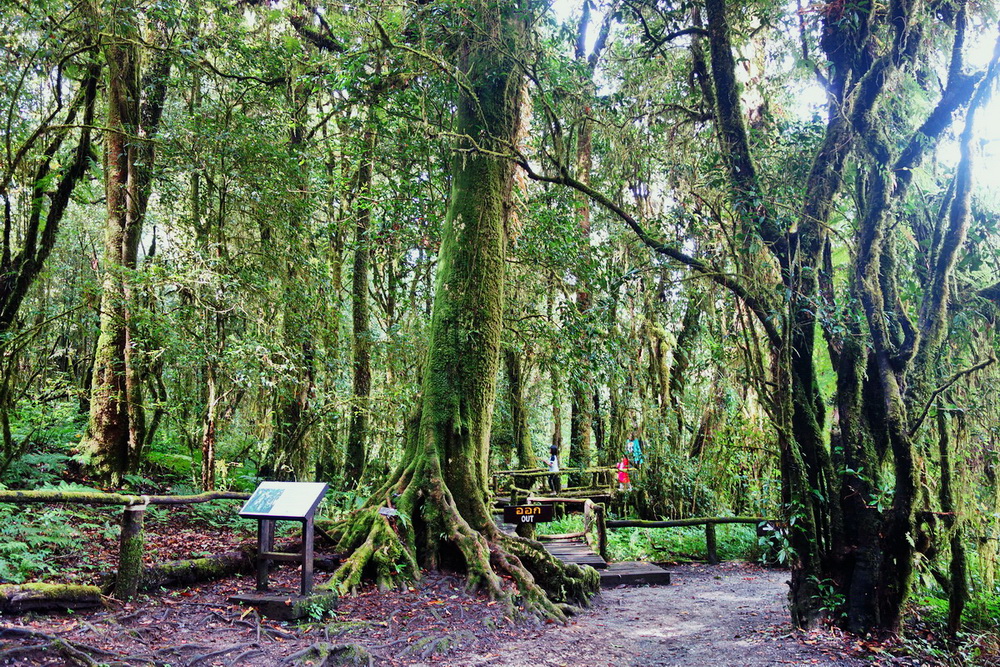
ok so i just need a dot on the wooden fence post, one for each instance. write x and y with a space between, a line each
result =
131 545
602 532
710 546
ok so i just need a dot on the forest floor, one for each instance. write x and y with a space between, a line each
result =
729 614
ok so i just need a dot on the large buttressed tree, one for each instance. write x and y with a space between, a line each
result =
843 251
433 512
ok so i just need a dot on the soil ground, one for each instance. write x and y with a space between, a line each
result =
731 614
727 615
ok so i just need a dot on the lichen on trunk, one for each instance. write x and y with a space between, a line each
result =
116 431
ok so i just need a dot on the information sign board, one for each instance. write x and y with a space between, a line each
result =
527 514
284 500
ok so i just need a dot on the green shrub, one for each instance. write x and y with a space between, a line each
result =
570 523
733 542
28 540
48 434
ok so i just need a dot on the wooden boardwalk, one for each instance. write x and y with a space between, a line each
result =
612 574
574 551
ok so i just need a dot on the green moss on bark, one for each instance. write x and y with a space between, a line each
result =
17 599
130 551
433 512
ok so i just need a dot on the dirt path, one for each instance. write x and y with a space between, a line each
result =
731 614
726 615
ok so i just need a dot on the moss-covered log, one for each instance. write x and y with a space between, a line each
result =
192 571
18 599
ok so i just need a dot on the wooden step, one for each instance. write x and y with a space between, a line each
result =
575 551
633 573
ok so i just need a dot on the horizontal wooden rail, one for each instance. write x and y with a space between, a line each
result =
98 498
694 521
542 472
708 521
547 499
577 494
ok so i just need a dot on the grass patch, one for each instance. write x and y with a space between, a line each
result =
570 523
733 541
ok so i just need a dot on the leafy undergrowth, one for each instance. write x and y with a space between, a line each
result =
668 545
925 634
79 543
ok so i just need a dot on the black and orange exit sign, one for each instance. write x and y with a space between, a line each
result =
527 514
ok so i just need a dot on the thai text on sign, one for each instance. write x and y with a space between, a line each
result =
527 514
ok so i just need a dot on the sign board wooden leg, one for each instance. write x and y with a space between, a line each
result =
307 556
265 543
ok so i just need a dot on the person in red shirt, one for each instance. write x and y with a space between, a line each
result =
624 483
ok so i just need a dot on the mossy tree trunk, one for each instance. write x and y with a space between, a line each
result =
132 543
433 510
115 433
357 434
555 382
691 327
520 432
289 454
583 397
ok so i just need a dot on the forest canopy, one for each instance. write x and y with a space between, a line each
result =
400 246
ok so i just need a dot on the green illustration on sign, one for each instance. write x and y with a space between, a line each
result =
284 500
262 502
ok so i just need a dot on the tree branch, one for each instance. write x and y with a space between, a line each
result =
937 392
326 42
764 316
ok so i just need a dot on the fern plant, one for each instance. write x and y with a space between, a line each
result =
28 540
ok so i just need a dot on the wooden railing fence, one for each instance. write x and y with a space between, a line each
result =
711 545
132 540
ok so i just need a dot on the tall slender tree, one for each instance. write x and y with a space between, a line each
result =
116 431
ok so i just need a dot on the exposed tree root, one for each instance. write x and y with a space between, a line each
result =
331 654
74 653
414 522
220 652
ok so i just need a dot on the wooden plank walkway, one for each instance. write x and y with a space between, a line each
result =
612 574
576 550
634 573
